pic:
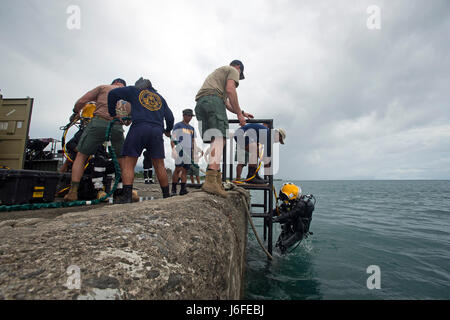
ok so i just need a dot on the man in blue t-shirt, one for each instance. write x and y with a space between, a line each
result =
148 112
183 144
247 140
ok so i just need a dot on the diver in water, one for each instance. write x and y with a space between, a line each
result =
295 216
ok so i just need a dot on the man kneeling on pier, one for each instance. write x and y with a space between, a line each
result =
148 111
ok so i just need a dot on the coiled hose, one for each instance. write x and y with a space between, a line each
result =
36 206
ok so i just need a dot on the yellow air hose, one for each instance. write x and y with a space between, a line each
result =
257 169
64 144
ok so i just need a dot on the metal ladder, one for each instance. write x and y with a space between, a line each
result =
267 205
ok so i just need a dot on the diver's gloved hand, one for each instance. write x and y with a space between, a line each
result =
276 219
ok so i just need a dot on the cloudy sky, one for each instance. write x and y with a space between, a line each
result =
362 94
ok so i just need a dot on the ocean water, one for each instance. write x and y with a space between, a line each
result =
402 227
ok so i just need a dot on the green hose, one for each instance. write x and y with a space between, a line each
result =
36 206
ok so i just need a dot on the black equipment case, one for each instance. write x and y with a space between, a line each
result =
27 186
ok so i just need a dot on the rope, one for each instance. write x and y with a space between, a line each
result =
36 206
247 211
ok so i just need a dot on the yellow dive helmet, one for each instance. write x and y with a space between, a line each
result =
289 192
88 110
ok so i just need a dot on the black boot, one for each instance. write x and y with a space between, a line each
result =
174 189
165 192
150 176
146 179
119 189
257 179
126 196
183 190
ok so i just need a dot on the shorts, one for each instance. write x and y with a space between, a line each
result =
94 135
185 166
211 114
194 171
144 136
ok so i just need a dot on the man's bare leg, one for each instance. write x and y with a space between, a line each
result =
77 174
128 165
161 173
216 153
239 168
175 177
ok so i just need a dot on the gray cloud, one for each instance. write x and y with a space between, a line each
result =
356 103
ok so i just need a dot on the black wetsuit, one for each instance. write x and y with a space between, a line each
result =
295 219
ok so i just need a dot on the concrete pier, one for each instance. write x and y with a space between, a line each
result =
184 247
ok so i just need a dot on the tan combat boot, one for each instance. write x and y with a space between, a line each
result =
72 195
211 186
219 180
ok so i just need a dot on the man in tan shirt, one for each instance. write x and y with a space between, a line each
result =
218 94
94 134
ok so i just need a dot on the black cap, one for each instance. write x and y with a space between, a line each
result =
188 112
120 81
241 65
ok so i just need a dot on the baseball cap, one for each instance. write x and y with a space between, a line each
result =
241 65
188 112
120 81
282 133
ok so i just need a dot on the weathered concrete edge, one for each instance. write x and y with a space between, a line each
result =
190 247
